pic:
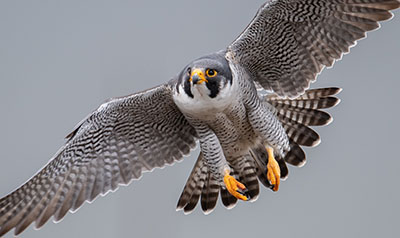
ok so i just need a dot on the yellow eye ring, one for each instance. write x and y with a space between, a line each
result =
211 73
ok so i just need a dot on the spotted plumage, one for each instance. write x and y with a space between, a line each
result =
247 106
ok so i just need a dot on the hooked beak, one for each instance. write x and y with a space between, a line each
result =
197 77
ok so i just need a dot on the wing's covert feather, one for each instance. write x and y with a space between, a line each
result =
289 42
114 145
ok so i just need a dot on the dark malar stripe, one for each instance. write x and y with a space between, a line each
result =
213 87
187 88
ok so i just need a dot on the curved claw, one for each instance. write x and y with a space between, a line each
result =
273 172
234 187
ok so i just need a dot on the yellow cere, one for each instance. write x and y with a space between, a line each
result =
200 73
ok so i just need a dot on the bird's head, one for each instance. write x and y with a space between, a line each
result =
206 77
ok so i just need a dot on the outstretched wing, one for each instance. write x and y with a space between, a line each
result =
290 41
115 144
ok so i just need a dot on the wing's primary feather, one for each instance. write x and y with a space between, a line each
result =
114 145
289 42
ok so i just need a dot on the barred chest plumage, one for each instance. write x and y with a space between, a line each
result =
225 113
234 131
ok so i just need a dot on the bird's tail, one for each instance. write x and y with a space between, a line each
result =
198 181
202 185
296 116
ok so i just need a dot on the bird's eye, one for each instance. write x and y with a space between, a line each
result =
211 73
189 71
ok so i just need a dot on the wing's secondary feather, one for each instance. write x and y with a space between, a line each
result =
114 145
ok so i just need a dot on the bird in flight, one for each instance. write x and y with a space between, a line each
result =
248 106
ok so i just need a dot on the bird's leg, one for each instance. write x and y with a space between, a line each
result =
273 170
216 161
266 124
234 187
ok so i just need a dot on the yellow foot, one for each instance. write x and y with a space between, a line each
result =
234 187
273 172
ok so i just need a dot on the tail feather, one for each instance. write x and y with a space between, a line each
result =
319 93
246 171
209 195
308 117
315 103
228 200
300 134
296 155
260 157
192 190
284 169
192 202
201 184
296 115
191 205
316 93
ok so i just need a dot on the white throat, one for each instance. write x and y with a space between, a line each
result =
202 105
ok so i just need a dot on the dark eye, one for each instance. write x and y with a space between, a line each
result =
189 71
211 73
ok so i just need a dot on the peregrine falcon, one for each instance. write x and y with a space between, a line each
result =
248 106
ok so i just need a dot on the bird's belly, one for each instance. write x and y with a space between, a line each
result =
234 132
240 146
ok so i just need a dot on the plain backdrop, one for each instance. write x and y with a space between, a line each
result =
60 59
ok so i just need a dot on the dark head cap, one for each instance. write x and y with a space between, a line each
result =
211 70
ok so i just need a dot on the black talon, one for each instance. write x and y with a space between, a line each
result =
272 187
269 185
244 192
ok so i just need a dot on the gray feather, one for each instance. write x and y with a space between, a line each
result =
289 42
112 146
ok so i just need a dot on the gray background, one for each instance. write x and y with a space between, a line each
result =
60 59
